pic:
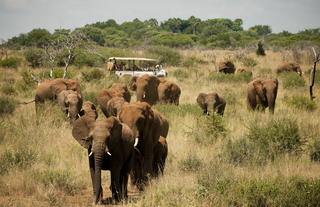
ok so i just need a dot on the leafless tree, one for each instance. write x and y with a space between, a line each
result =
313 72
53 50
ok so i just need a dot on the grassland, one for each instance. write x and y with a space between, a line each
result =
247 159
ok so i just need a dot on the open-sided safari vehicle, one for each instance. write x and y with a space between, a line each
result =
135 66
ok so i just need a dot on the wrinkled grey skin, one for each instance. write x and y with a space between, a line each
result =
110 145
262 93
70 102
211 102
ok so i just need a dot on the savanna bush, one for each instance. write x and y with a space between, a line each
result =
8 89
90 96
192 61
211 127
10 62
249 62
291 80
57 73
222 77
94 74
181 74
265 142
21 158
166 55
191 163
61 179
315 151
7 105
301 102
85 59
34 56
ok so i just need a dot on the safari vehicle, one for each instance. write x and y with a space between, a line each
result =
135 66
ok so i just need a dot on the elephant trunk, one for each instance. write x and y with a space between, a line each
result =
271 102
99 153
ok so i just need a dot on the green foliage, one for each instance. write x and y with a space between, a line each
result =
34 56
10 62
90 96
7 105
84 59
301 102
192 61
94 74
38 37
265 142
61 179
171 110
223 77
211 127
190 164
249 62
57 73
166 55
21 158
291 80
173 40
8 89
260 50
280 191
181 74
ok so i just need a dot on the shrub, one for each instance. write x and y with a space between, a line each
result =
34 56
222 77
95 74
249 62
290 80
260 50
7 105
301 102
190 164
90 96
211 128
61 179
57 73
21 158
315 151
8 89
84 59
10 63
181 74
191 61
166 55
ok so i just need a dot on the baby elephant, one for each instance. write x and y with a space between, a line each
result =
262 93
211 102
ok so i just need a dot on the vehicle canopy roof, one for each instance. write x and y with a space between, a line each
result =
134 59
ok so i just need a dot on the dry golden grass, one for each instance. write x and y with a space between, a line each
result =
59 174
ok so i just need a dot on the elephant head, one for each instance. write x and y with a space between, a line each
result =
133 83
289 66
147 89
60 84
123 89
114 106
226 67
89 109
168 92
211 102
70 102
262 93
110 146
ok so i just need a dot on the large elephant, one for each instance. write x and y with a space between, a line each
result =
49 89
70 102
168 92
147 125
110 146
89 109
105 95
114 106
262 93
146 88
211 102
226 67
289 67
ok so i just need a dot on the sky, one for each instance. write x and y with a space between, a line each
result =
21 16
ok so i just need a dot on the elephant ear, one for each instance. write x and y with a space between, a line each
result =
133 83
201 98
81 131
116 130
260 90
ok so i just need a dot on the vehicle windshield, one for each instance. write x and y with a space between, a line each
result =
132 64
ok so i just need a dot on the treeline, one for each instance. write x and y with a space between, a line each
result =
176 32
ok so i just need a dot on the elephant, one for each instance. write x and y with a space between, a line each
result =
262 93
70 102
49 89
160 156
114 106
289 67
226 67
133 83
211 101
146 88
147 125
105 95
168 92
110 146
89 109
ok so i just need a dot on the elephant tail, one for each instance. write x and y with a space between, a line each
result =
27 102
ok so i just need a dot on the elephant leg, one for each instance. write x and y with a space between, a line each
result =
124 184
115 184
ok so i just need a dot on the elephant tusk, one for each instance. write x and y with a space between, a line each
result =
68 115
78 115
144 95
109 153
208 113
90 153
136 142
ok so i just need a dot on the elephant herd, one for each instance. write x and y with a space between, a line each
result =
131 140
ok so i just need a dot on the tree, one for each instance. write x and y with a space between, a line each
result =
261 29
151 22
38 37
194 22
260 50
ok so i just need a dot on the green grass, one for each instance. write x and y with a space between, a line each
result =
301 102
291 80
222 77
